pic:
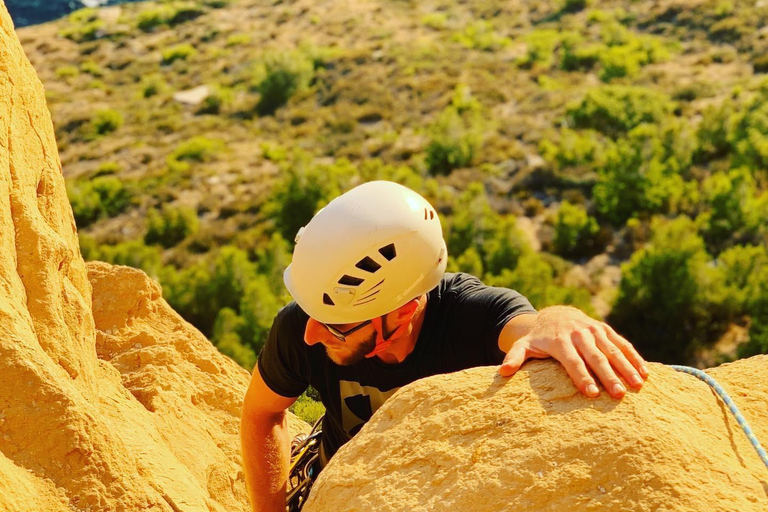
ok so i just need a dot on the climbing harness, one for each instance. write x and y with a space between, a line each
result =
304 467
731 405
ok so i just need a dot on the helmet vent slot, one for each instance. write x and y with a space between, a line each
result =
431 214
388 251
368 264
327 300
350 281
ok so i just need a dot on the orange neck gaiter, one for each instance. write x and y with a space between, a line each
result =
381 343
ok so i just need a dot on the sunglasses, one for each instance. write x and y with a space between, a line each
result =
342 336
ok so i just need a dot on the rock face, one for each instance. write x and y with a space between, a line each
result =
472 441
109 401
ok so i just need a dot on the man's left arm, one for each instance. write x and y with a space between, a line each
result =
579 343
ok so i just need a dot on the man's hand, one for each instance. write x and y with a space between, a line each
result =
581 344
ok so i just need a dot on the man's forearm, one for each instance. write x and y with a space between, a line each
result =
265 443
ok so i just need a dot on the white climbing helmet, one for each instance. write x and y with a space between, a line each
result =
368 252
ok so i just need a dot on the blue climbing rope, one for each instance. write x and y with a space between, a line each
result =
731 405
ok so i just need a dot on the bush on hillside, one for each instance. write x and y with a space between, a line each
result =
98 198
643 174
616 109
226 338
456 136
733 212
302 190
104 122
149 19
285 74
573 149
474 225
171 225
536 278
82 26
481 35
748 132
576 233
669 301
132 253
178 52
712 134
307 409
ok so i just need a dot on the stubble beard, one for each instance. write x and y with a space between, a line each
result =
357 354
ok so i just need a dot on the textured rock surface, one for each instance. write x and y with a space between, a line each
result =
109 401
472 441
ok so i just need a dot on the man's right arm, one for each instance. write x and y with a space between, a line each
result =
265 443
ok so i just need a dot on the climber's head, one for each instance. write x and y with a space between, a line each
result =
368 254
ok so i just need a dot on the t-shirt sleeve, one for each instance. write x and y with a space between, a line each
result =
488 309
283 362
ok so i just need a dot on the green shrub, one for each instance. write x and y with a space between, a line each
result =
169 226
712 133
480 35
104 122
152 85
132 253
574 148
574 5
760 63
456 136
226 338
216 99
82 26
98 198
435 20
666 305
302 191
541 47
197 149
238 40
619 62
284 75
536 279
748 132
729 30
579 57
615 109
575 232
65 72
107 168
758 311
92 68
178 52
732 214
149 19
307 409
643 174
185 13
474 225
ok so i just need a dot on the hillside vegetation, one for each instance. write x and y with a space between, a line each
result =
560 142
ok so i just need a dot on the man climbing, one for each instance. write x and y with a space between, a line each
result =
374 310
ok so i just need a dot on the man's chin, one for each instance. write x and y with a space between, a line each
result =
345 360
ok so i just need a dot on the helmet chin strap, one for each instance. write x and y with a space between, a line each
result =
384 344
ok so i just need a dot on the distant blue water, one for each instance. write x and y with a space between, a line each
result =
32 12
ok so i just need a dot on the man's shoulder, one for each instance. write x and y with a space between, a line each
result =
457 282
291 318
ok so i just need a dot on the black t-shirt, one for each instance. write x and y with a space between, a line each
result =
461 329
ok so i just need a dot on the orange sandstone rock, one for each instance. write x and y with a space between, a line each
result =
109 401
472 441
